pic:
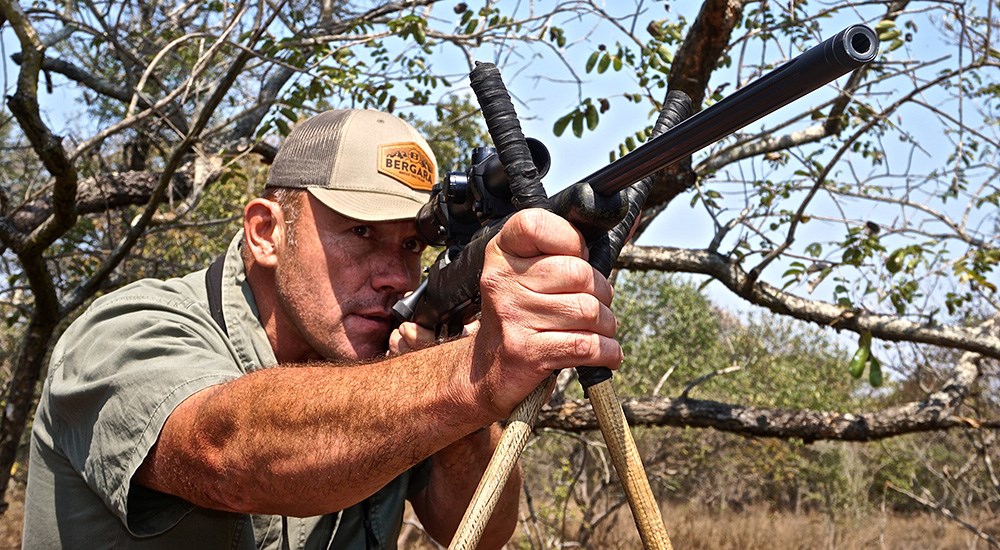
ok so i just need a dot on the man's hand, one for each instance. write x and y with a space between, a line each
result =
408 337
544 308
411 336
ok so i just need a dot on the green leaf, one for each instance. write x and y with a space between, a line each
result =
884 25
561 124
857 365
592 60
283 127
664 53
792 271
874 372
895 261
591 115
577 123
603 64
890 35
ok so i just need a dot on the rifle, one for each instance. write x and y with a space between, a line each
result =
468 208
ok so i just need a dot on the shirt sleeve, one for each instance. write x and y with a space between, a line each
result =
117 374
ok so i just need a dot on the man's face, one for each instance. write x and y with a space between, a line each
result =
338 281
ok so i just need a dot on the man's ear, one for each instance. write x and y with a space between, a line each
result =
264 231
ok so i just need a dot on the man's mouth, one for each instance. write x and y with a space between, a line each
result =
375 320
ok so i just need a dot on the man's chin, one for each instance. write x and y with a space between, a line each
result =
371 353
367 349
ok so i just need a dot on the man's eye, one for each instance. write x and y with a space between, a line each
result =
362 230
414 245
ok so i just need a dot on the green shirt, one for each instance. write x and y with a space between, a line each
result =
115 376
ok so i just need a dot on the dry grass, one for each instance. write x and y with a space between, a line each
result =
757 528
693 528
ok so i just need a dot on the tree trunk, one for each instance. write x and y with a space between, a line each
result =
27 369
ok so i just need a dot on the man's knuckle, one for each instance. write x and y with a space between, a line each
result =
588 309
581 273
584 345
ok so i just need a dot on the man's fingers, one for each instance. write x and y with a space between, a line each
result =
536 232
562 275
408 337
575 349
575 312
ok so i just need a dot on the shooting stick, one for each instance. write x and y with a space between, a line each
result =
846 51
496 107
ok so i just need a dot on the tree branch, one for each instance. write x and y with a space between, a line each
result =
80 76
948 514
730 274
936 412
99 85
835 120
172 164
764 145
24 105
102 193
694 63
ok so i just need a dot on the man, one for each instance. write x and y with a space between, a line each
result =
172 419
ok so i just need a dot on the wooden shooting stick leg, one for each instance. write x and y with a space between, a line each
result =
527 193
625 457
512 441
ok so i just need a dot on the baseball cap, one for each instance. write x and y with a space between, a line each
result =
366 165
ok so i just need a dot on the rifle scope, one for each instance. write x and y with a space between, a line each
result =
462 201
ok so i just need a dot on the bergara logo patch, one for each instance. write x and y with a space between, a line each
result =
407 163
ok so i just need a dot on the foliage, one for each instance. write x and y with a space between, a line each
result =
669 325
671 335
665 326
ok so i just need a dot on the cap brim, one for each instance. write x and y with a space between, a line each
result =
368 206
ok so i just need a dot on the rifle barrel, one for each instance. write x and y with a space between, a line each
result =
847 50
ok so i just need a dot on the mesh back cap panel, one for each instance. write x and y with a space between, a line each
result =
366 165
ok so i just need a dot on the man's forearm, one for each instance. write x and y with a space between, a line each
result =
455 474
313 439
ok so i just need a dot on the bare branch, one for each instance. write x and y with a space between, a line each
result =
762 146
703 378
730 273
24 105
936 412
946 513
173 162
102 193
694 63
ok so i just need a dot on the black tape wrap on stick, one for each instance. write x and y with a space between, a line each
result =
604 251
505 129
676 108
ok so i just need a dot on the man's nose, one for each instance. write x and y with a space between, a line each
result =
391 271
